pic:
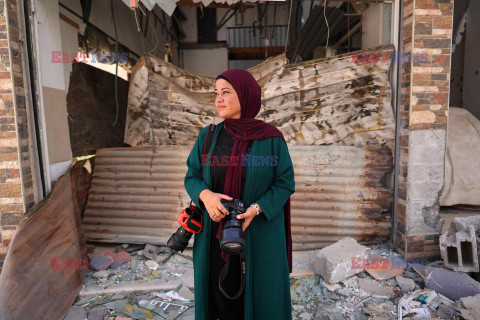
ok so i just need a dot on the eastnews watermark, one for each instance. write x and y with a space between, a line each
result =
242 160
58 263
91 57
386 263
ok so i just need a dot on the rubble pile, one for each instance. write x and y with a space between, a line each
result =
141 285
382 285
342 281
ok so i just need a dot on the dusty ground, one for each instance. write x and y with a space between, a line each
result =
143 289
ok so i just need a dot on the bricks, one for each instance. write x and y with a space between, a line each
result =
423 117
423 28
15 172
442 22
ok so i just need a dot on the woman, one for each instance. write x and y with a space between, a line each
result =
249 161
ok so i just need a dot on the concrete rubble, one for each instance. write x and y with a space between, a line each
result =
162 287
459 244
334 262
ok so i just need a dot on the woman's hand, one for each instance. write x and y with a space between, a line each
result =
212 203
248 216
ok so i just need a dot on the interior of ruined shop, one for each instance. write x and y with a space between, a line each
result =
122 88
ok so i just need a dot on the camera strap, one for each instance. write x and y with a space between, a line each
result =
223 274
212 128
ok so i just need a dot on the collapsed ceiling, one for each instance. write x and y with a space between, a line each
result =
169 5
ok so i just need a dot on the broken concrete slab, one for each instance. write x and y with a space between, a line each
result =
186 293
459 245
375 288
135 286
336 262
451 284
97 313
405 284
472 306
150 251
76 313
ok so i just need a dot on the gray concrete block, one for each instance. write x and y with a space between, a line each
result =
459 244
451 284
334 263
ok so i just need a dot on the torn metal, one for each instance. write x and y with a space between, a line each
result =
342 100
136 195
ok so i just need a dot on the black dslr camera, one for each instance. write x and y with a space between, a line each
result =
232 240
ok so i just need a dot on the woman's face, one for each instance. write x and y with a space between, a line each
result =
226 100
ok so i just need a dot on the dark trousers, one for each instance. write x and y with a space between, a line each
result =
220 306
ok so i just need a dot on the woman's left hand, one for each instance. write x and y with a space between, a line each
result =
248 216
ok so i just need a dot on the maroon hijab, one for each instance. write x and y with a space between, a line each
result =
244 130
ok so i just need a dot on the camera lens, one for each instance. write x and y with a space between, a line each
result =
179 240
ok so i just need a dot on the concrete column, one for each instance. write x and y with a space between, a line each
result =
425 85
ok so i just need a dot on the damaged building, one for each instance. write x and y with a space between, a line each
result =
102 100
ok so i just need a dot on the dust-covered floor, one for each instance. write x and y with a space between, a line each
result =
161 287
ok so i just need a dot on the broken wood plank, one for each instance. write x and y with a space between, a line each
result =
42 274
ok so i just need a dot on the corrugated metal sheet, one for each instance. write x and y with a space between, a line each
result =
135 194
332 101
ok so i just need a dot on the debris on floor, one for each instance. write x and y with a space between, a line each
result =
131 286
154 284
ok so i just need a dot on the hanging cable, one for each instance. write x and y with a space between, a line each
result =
326 21
86 10
288 26
348 26
116 63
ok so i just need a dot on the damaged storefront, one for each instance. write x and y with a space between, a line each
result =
103 100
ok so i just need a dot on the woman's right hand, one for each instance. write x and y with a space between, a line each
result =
212 203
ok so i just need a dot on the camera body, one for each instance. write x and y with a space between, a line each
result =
191 221
232 240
